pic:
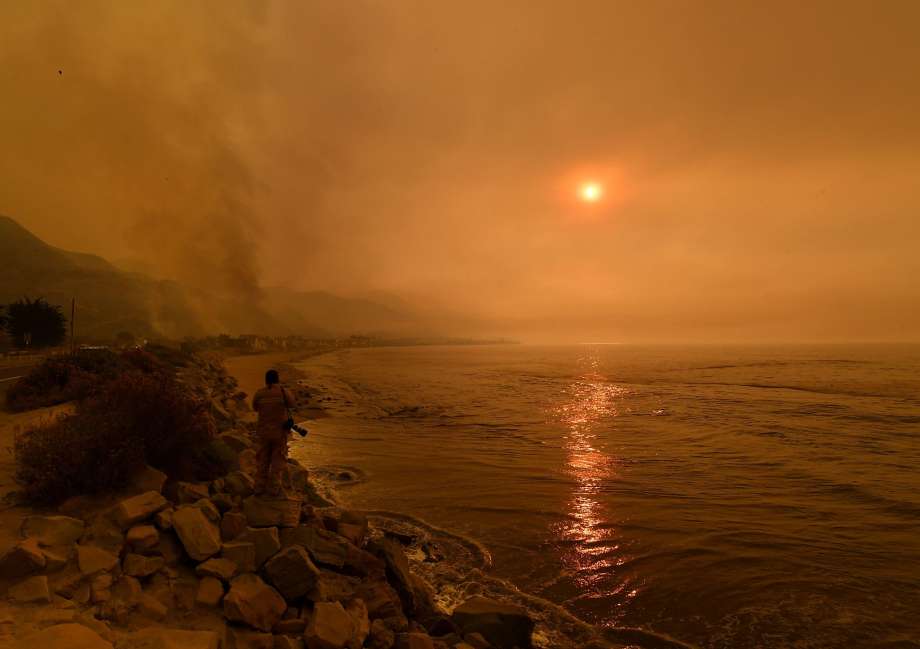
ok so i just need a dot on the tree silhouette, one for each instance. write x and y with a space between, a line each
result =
35 323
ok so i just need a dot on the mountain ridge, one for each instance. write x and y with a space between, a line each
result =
110 299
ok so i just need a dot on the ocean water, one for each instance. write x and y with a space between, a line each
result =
724 496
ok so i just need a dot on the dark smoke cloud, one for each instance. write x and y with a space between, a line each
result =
124 139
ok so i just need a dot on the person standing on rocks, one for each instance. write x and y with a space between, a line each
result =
272 404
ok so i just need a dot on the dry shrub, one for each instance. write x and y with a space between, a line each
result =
68 377
139 417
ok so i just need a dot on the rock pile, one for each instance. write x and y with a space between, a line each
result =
217 567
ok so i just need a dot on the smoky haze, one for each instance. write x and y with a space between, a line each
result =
758 160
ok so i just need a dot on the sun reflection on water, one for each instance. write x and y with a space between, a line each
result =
590 553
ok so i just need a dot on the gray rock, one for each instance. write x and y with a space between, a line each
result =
504 625
265 540
148 479
163 519
381 599
142 537
157 637
24 558
32 590
325 547
232 525
292 572
209 509
333 587
253 602
246 639
397 570
139 508
138 565
287 642
271 512
151 608
65 636
239 484
200 537
330 627
210 592
360 623
223 502
242 553
415 640
52 530
92 560
223 569
380 637
190 492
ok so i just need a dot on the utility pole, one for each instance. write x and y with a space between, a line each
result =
73 311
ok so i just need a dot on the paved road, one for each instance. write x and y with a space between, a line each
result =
8 375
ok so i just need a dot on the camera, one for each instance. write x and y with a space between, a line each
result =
290 424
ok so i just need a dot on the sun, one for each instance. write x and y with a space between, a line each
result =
590 192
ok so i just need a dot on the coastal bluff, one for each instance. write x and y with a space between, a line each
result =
167 564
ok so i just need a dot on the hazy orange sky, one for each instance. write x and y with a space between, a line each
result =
759 159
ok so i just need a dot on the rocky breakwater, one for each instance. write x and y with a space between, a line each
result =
211 566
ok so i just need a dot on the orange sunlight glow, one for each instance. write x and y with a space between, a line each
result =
590 192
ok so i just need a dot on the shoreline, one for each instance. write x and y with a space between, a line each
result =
451 583
210 565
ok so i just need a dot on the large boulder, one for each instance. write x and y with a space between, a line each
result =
292 572
333 587
504 625
139 565
253 602
242 553
381 599
232 525
131 511
162 638
209 509
220 568
105 533
92 560
239 484
148 479
24 558
210 592
240 638
265 540
381 636
397 570
325 547
200 537
415 640
151 608
31 591
142 537
271 512
52 530
330 627
66 636
190 492
361 624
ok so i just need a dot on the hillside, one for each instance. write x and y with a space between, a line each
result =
110 300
